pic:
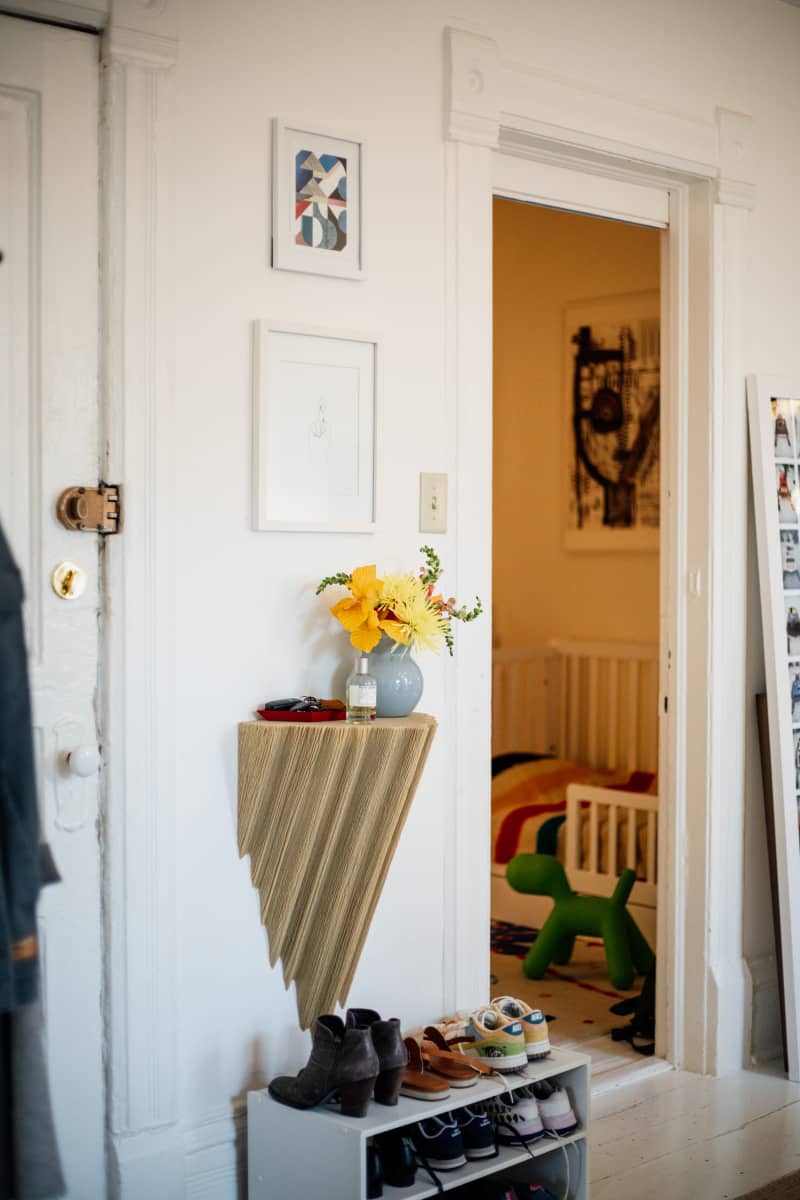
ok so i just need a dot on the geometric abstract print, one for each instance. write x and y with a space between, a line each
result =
320 200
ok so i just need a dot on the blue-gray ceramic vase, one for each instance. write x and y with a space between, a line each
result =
398 677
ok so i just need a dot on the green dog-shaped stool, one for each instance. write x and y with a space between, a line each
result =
627 950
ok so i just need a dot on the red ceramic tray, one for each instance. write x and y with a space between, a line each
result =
285 714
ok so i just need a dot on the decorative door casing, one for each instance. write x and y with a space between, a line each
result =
496 109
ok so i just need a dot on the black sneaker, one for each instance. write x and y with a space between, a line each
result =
477 1133
439 1144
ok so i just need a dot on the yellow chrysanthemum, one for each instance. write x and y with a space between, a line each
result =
408 615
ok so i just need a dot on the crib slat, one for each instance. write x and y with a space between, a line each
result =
563 703
651 847
593 707
573 747
613 870
574 833
633 714
631 839
594 838
613 711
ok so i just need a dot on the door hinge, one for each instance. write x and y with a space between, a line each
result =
91 509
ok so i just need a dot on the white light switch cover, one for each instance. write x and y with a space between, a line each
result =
432 503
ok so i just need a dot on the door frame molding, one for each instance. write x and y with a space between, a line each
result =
137 370
495 107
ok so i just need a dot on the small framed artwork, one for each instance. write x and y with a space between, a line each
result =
315 430
774 412
317 202
612 407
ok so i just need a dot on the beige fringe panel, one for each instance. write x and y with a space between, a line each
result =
321 809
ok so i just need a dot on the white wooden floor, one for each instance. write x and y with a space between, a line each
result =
687 1137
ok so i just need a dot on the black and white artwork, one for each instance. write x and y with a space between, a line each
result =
613 406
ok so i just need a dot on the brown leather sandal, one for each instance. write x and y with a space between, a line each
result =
437 1044
418 1083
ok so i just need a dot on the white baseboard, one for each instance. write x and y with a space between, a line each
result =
215 1150
147 1164
201 1160
763 1029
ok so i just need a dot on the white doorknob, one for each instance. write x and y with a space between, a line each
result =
83 761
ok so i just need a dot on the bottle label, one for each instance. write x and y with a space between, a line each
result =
362 695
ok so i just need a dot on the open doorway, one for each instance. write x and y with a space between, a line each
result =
576 598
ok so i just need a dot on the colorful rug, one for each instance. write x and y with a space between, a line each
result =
576 997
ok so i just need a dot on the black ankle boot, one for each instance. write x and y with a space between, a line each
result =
397 1158
374 1173
343 1062
392 1054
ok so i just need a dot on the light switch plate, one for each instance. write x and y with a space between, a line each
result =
432 503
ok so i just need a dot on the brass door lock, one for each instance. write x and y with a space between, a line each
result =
91 509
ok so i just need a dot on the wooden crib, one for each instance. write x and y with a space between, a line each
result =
589 705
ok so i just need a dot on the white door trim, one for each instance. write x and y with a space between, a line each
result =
707 170
137 297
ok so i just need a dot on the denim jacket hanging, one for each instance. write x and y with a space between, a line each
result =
19 818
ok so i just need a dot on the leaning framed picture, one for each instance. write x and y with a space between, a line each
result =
774 411
315 429
317 202
611 421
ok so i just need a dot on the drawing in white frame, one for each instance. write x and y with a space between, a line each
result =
774 410
317 202
314 430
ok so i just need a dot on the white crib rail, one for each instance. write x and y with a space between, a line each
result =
525 700
595 817
591 702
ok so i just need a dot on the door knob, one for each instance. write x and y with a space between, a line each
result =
83 761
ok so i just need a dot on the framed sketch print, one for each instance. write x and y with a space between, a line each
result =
612 398
774 410
317 209
314 430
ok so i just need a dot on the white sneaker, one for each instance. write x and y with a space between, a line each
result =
534 1025
554 1108
516 1117
495 1040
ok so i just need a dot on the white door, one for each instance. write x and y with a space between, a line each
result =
48 441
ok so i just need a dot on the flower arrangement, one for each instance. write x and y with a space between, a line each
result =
404 607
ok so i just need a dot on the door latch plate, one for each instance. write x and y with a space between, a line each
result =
91 509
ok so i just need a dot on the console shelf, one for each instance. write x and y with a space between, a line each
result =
321 809
295 1153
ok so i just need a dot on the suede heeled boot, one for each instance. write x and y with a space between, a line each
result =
387 1039
343 1062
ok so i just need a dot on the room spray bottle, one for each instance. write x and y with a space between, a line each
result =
361 691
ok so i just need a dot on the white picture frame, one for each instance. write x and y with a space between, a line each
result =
627 325
325 173
774 413
314 429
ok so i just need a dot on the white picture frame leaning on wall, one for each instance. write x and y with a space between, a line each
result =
314 429
317 202
774 412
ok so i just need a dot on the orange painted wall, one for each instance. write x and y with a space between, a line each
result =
543 259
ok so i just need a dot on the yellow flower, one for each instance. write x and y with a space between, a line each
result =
407 614
357 613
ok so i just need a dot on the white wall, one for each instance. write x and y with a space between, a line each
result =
248 624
